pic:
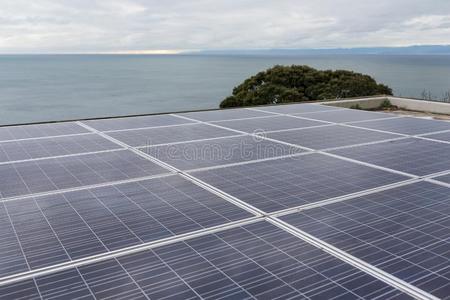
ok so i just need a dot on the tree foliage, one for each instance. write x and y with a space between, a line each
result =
282 84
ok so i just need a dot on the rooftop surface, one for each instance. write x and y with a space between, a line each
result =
303 201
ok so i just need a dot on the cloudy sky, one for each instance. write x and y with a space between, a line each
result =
135 25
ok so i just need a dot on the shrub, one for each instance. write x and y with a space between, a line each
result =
282 84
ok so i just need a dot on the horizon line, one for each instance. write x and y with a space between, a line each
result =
189 51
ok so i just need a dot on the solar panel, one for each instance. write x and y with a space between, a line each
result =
289 182
164 135
224 114
297 108
39 130
75 171
329 136
268 124
443 136
407 125
21 290
347 115
257 261
404 231
445 178
79 213
135 122
54 146
414 156
67 284
62 227
192 155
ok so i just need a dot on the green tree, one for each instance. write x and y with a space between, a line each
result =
282 84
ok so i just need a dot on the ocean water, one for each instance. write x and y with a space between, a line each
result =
36 88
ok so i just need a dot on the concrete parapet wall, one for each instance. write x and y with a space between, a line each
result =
363 103
403 103
421 105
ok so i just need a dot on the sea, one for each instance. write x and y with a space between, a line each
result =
37 88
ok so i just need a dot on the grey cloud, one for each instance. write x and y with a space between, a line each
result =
116 25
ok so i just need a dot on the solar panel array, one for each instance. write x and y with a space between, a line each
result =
301 201
404 231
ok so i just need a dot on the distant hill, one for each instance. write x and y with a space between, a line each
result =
410 50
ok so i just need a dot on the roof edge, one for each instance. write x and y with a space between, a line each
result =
333 102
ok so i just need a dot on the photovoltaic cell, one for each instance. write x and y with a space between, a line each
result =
135 122
164 135
414 156
290 182
297 108
257 261
407 125
443 136
329 136
192 155
39 130
404 231
67 284
445 178
62 227
224 114
55 146
12 259
260 125
347 115
21 290
75 171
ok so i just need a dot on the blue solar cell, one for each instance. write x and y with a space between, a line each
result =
40 130
11 256
135 122
404 231
68 172
192 155
67 284
56 146
260 125
37 241
289 182
21 290
330 137
108 279
297 108
258 261
347 115
62 227
414 156
410 126
443 136
164 135
445 178
224 114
